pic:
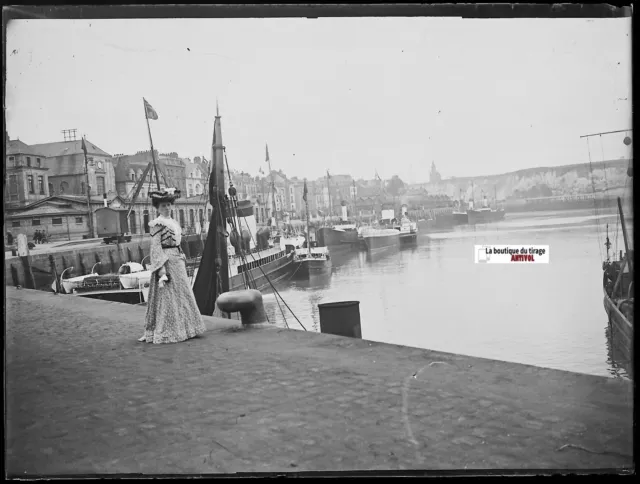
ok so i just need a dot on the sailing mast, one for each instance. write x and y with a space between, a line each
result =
149 112
273 188
329 194
212 278
86 174
473 196
306 204
355 208
624 235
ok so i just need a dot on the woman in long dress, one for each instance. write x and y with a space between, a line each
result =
172 312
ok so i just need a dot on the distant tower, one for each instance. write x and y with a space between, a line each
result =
434 176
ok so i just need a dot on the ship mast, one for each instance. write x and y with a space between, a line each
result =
213 273
273 188
355 208
306 205
329 194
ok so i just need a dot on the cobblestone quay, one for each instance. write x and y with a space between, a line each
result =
84 397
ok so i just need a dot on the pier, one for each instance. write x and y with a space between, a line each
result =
84 397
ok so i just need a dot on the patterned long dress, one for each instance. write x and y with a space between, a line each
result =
172 312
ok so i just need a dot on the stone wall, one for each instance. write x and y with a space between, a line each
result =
43 266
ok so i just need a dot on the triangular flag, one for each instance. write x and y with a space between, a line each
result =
149 112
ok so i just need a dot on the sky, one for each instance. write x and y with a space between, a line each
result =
348 95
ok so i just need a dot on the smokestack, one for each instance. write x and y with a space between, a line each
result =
104 199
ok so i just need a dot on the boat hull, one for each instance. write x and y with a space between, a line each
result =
408 238
485 216
380 242
309 268
460 218
336 239
621 331
135 280
274 270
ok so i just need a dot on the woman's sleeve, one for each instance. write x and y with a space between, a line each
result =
158 257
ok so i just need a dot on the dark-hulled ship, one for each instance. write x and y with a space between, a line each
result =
485 214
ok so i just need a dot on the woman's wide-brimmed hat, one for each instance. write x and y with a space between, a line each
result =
167 196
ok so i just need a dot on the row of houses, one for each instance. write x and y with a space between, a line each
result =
47 189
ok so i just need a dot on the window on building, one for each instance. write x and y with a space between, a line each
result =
78 220
82 188
57 221
100 181
12 161
28 161
192 218
51 192
35 221
13 184
15 223
30 183
181 218
64 187
133 177
39 162
201 216
41 185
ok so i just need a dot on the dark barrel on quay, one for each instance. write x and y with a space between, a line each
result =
341 318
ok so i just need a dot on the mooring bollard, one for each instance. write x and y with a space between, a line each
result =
341 318
248 303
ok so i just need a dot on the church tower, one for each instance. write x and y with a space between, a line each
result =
434 176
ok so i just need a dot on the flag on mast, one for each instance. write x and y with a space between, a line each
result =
149 112
304 192
328 176
84 147
267 150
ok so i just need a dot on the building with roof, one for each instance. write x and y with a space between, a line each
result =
66 164
196 177
129 169
27 174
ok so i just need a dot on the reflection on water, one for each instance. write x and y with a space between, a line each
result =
432 295
619 364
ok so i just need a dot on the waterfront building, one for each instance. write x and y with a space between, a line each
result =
66 168
26 174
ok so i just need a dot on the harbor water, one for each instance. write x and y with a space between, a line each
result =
432 295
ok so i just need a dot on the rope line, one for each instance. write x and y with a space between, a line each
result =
273 287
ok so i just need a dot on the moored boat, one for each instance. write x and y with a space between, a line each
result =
376 239
68 285
310 261
617 283
459 217
485 215
408 231
133 275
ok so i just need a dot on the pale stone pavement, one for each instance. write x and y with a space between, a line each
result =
84 397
